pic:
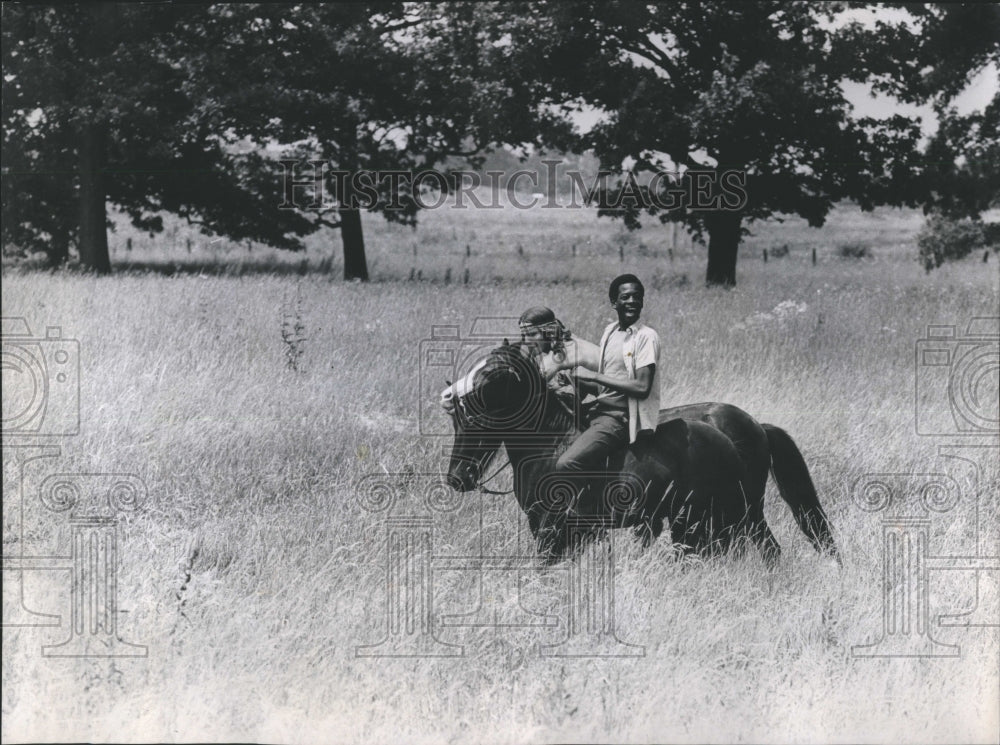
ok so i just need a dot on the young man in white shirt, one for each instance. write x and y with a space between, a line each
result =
628 400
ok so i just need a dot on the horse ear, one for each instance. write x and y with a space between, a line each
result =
505 342
447 382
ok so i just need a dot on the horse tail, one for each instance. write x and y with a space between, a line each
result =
796 487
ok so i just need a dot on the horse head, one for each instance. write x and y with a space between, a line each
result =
501 397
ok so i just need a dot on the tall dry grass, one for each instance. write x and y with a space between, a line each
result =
252 573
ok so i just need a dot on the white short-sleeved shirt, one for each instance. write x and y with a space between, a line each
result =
641 347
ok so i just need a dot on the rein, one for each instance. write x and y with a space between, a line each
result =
456 403
486 481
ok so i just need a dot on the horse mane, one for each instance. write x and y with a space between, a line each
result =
555 416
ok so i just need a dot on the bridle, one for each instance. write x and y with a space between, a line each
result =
480 485
461 410
496 473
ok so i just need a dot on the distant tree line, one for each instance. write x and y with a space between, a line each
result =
189 109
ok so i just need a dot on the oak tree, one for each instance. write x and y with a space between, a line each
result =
710 87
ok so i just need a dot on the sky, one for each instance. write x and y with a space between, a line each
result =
982 88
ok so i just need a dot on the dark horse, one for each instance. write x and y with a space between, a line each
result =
703 471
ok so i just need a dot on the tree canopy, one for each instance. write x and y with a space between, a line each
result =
105 102
711 87
963 156
190 109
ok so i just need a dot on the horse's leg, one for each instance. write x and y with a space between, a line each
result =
544 502
763 538
716 477
750 441
648 529
679 535
756 457
558 538
754 525
797 489
542 533
658 489
657 460
686 533
550 535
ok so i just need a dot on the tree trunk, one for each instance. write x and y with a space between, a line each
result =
355 263
97 40
723 243
58 250
93 217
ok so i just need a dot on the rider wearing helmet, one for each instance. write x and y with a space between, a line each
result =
545 337
557 352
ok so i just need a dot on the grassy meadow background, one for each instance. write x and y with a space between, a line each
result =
252 573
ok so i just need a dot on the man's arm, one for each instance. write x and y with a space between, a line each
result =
578 353
637 388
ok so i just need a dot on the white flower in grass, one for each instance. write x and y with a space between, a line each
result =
788 308
782 311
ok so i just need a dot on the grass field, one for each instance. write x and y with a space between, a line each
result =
252 572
